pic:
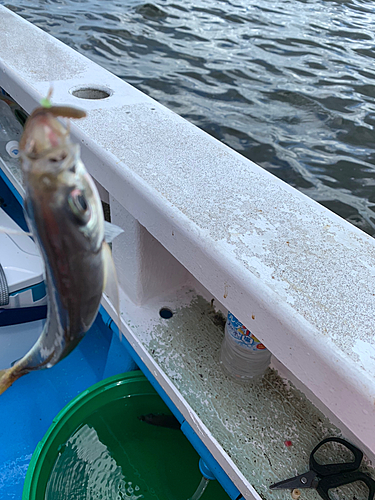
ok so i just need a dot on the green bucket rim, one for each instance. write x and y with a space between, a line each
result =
42 448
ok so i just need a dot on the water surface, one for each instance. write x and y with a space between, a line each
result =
290 84
115 454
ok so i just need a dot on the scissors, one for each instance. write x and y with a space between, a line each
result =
327 476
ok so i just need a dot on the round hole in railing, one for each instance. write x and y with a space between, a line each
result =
91 92
165 313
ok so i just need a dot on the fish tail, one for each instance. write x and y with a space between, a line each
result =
7 377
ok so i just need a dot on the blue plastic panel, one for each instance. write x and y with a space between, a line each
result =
29 406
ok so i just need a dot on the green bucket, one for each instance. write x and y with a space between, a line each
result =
99 447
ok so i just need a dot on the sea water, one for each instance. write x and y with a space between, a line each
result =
290 84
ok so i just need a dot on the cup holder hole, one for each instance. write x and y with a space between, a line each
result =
94 93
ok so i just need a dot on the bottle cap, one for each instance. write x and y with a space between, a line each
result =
12 149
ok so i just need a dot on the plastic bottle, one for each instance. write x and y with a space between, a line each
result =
242 356
10 134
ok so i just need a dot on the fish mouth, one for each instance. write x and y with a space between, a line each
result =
44 134
51 162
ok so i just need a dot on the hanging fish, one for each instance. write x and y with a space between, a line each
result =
65 216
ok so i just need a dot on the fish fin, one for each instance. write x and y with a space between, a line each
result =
8 230
17 370
111 231
6 379
111 283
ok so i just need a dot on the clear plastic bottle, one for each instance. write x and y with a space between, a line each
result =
242 356
10 134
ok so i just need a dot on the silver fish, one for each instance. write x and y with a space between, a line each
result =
65 215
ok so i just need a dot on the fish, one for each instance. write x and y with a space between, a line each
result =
161 420
65 216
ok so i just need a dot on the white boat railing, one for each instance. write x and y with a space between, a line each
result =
201 220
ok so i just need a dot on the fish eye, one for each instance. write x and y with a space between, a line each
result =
78 205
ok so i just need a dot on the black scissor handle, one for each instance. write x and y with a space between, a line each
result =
329 482
328 469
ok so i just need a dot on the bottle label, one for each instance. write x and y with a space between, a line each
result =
242 335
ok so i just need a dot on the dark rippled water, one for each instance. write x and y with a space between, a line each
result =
290 84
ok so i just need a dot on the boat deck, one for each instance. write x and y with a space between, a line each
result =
29 406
